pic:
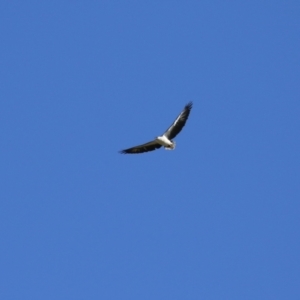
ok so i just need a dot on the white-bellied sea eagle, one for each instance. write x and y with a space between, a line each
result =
166 139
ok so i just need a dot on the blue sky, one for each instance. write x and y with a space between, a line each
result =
218 218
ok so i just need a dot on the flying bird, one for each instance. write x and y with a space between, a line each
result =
166 139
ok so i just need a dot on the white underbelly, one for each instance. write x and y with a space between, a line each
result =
162 140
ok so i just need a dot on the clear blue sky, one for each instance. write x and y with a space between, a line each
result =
218 218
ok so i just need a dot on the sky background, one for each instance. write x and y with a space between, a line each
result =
218 218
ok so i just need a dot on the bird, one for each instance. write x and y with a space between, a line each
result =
164 140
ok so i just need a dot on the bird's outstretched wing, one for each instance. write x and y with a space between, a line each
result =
142 148
180 121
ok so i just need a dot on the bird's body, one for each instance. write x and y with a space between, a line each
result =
166 139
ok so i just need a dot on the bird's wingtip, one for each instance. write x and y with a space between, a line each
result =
189 105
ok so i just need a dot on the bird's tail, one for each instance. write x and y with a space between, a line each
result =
171 147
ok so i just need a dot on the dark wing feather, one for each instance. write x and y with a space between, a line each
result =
180 121
142 148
